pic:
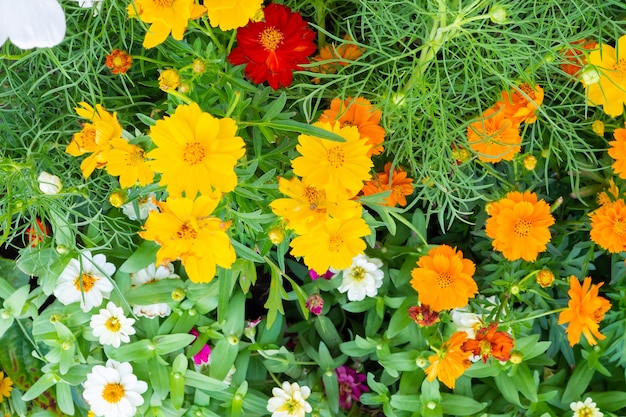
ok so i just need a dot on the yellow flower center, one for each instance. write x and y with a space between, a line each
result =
87 138
113 393
444 280
270 38
291 406
118 61
358 273
619 227
335 243
163 3
522 228
194 153
113 324
620 68
336 157
585 412
87 281
314 197
135 157
187 232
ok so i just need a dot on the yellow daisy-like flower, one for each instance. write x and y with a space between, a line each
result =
128 162
307 207
186 230
610 89
169 80
231 14
331 245
337 167
608 226
6 386
195 152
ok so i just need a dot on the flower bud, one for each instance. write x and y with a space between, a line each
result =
315 304
497 14
198 66
545 278
589 76
598 127
276 235
169 80
530 162
516 358
49 184
178 294
118 198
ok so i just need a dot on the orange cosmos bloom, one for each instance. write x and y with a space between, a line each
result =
128 162
585 310
358 112
610 194
608 226
443 279
522 107
608 66
449 363
494 137
519 225
617 151
574 56
336 57
490 342
400 186
118 61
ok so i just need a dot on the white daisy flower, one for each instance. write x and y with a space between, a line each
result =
87 280
48 183
363 278
111 326
32 23
467 321
289 401
585 409
150 274
114 391
144 207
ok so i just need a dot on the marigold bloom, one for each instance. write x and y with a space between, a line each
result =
274 48
608 226
195 152
610 89
6 386
443 279
332 58
545 278
522 107
186 230
169 80
340 168
519 225
358 112
128 162
165 16
490 342
584 312
449 363
610 194
400 186
423 315
333 244
617 151
118 61
494 137
574 56
231 14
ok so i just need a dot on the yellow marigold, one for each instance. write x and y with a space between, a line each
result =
450 361
609 91
128 162
332 58
443 279
333 244
358 112
195 152
307 207
611 193
169 80
494 137
522 104
186 230
399 185
617 151
165 16
608 226
340 168
231 14
519 225
6 386
585 310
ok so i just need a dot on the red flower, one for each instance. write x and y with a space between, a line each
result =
274 48
423 315
490 342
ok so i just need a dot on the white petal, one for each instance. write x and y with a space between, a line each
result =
35 23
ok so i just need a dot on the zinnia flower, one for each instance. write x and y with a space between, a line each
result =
521 108
128 162
494 137
585 310
450 361
610 89
585 409
118 61
519 225
49 184
443 279
32 23
608 226
490 342
617 151
149 275
111 326
362 279
351 386
203 357
397 182
340 168
186 230
315 304
114 391
274 48
231 14
289 401
332 58
6 386
195 152
423 315
358 112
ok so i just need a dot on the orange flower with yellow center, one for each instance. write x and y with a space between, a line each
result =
584 311
332 58
450 361
490 342
128 162
444 279
494 137
617 151
399 185
522 104
608 226
118 61
519 225
609 65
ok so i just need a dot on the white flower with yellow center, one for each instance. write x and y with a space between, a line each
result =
111 326
362 279
113 390
289 401
585 409
86 280
148 275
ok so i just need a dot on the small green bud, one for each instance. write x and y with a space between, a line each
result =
497 14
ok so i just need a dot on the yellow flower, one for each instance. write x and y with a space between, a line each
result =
340 168
6 385
231 14
610 90
598 127
186 230
545 278
608 226
128 162
331 245
169 80
195 152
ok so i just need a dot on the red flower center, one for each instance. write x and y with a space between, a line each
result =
270 38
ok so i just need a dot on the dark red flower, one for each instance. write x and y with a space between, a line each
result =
423 315
272 49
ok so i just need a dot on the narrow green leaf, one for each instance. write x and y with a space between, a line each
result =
64 398
39 387
143 256
578 382
197 380
459 405
172 342
523 380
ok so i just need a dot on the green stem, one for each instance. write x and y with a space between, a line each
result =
533 317
320 19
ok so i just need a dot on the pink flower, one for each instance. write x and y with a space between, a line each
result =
202 357
350 386
315 304
314 275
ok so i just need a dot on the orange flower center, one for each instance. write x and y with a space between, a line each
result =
444 280
270 38
620 68
522 228
113 393
194 153
619 227
87 281
113 324
163 3
528 90
87 137
313 196
336 157
335 243
187 232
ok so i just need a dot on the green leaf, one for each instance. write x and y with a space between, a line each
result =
609 400
326 329
401 361
410 402
197 380
508 389
143 256
275 107
17 301
303 128
245 252
62 227
139 351
154 292
177 381
223 357
459 405
64 398
46 381
172 342
159 377
578 382
274 303
523 380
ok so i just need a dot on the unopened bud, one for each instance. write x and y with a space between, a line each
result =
589 76
118 198
276 235
497 14
516 358
530 162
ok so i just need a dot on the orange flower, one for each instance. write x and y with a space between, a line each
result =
521 104
608 226
37 233
358 112
617 151
610 194
494 136
118 61
336 57
490 342
574 56
400 186
585 310
450 361
519 225
443 279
